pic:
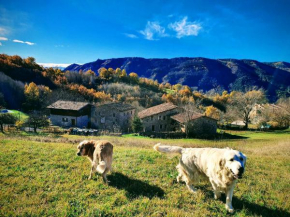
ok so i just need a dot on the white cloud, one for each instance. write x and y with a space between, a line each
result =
53 64
23 42
131 35
3 31
153 31
3 39
0 44
185 28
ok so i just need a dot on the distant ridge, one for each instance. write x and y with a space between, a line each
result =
203 73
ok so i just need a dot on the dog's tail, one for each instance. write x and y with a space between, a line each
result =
168 149
101 167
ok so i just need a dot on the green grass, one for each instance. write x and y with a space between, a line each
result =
42 176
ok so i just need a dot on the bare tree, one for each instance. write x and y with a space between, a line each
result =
244 103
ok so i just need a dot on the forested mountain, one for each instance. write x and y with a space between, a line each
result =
204 74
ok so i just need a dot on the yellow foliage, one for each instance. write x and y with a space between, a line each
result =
212 112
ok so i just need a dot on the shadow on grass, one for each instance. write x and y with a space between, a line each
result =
242 204
226 136
256 209
134 187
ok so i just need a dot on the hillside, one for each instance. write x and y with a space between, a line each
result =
202 73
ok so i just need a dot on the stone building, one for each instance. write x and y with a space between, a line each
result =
157 118
115 117
195 124
70 114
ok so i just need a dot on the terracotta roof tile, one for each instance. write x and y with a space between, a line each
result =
156 110
184 117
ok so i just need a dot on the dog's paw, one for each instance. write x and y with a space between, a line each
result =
230 209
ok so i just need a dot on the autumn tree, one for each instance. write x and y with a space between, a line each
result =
244 103
31 93
212 112
133 77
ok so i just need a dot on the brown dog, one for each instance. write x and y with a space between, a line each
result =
100 153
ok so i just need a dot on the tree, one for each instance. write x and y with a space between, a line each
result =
133 77
31 93
37 120
190 109
137 124
6 118
212 112
244 103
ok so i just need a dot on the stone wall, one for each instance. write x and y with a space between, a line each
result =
104 119
202 127
160 122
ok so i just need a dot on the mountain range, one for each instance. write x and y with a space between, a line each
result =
203 73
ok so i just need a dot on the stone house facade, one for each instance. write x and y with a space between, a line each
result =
157 118
114 117
195 124
70 114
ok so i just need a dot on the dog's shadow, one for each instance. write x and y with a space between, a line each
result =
253 208
134 188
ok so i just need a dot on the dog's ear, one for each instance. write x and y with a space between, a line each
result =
89 146
222 163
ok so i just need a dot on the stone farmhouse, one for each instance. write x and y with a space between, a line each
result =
168 117
114 117
70 114
157 118
195 124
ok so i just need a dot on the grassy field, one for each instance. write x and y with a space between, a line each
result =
42 176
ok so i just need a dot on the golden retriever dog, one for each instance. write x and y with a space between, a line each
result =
100 153
222 167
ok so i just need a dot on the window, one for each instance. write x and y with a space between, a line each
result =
164 117
103 120
127 113
151 118
160 127
114 115
113 123
165 126
160 117
64 119
153 127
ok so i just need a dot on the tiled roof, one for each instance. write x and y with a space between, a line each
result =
156 110
68 105
184 117
116 106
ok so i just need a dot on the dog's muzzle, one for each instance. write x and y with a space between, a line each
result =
240 173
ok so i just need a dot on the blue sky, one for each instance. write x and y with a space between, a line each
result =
64 32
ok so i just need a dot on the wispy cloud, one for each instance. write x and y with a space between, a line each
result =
185 28
3 39
131 35
23 42
153 31
3 31
0 44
